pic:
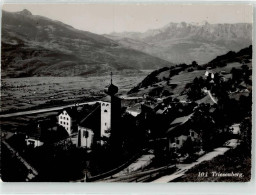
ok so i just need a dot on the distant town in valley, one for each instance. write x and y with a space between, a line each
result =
167 105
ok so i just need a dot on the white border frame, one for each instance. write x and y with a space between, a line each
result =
144 188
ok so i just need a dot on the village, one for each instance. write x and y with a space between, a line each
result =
126 138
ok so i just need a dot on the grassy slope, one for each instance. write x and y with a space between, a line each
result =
185 77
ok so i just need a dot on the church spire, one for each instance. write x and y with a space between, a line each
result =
112 89
111 74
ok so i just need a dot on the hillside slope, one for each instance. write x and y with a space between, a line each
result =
38 46
187 42
176 80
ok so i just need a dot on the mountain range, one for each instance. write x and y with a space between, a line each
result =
34 45
187 42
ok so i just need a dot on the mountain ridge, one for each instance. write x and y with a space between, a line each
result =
35 45
185 42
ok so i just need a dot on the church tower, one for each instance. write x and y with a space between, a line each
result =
110 111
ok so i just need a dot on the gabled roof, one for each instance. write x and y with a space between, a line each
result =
72 112
180 120
177 128
161 110
92 120
134 110
47 131
36 133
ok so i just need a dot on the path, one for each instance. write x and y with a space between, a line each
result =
210 94
183 168
140 163
54 108
44 110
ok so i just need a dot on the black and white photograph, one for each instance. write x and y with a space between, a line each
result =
119 93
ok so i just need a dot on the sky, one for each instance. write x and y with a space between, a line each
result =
108 18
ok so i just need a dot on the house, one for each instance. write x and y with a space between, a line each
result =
35 139
209 73
67 119
134 110
45 133
163 110
179 132
34 142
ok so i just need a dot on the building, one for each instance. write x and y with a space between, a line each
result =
85 137
209 73
34 142
67 119
35 139
105 116
179 132
115 111
45 132
89 128
102 121
134 110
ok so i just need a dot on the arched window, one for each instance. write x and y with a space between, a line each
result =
105 111
103 104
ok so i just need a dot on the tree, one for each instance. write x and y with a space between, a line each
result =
189 147
194 64
195 89
202 121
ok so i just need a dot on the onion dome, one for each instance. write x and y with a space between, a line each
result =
111 89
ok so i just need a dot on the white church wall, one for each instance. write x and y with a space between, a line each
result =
86 136
105 118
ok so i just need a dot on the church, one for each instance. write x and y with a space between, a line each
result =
102 121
